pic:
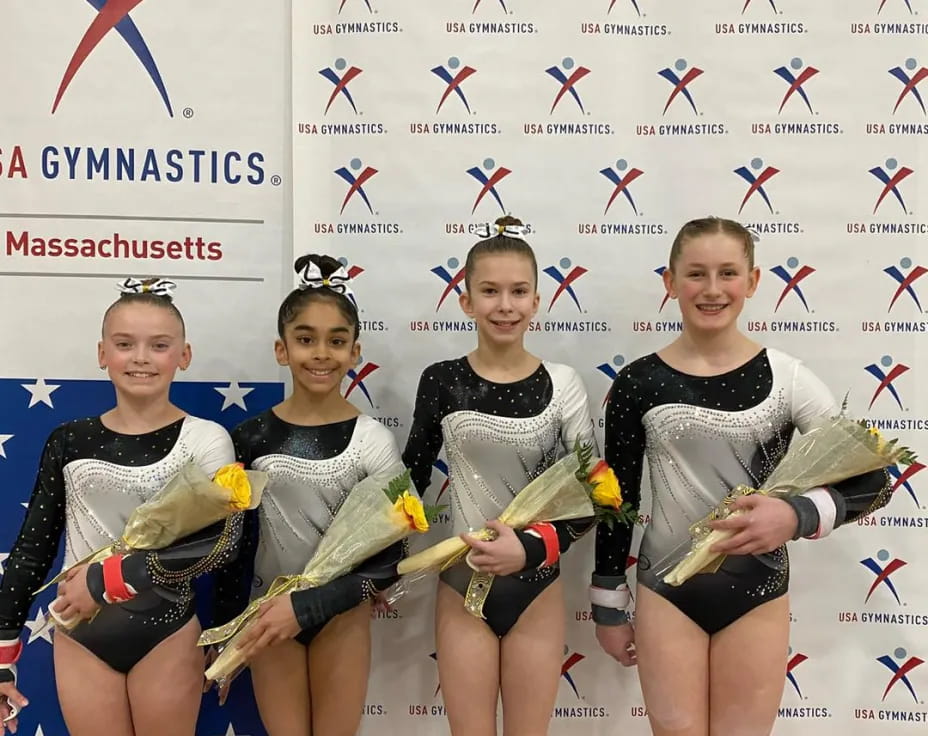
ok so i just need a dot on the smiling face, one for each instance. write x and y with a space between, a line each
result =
319 347
501 296
711 277
142 347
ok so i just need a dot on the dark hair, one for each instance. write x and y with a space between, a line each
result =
165 301
500 243
298 299
710 226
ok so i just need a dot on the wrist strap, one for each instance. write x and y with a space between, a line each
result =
116 590
827 511
606 598
548 535
10 652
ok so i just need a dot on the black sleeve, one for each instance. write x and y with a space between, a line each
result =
316 606
425 438
861 495
624 452
37 544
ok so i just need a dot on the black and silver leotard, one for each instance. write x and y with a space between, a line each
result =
311 470
498 437
90 479
703 436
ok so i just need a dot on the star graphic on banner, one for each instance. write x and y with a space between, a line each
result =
38 629
4 438
41 392
3 558
233 395
231 731
39 731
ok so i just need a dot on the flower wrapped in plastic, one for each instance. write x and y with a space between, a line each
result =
566 490
371 518
188 503
834 450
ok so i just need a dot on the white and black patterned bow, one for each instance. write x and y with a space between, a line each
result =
158 287
311 278
491 230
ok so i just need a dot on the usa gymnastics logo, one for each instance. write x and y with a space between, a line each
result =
502 4
356 182
910 83
902 478
442 467
794 661
565 281
488 183
908 4
357 378
453 81
886 378
621 177
452 276
795 81
792 280
900 664
633 2
610 372
680 83
747 3
756 176
569 663
905 281
891 178
883 568
341 77
568 80
344 2
113 14
660 273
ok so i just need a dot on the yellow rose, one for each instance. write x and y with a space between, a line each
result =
411 508
606 490
234 478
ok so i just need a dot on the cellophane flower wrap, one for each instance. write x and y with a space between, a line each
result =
566 490
834 450
372 517
188 503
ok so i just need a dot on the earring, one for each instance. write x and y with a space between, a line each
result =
102 367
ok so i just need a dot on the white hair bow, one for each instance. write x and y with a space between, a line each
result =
311 278
490 230
158 287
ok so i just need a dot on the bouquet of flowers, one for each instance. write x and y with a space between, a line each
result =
836 449
188 503
371 518
566 490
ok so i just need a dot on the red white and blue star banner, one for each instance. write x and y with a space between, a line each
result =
604 125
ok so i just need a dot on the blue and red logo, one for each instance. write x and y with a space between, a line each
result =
633 2
886 378
792 280
891 178
756 177
883 568
900 664
905 281
356 181
792 663
908 4
568 80
357 378
565 280
622 177
902 476
680 83
341 77
113 14
453 77
453 276
910 83
501 2
366 2
442 467
795 81
748 2
488 183
610 372
434 655
660 272
569 663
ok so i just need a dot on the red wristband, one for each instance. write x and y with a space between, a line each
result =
114 586
9 653
548 535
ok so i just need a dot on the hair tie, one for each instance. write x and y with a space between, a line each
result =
311 278
159 287
488 230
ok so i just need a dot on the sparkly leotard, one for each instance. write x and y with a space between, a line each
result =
702 437
89 481
311 470
498 437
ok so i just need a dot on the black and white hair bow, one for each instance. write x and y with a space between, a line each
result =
158 287
311 278
491 230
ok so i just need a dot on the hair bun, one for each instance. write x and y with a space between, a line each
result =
327 265
507 220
